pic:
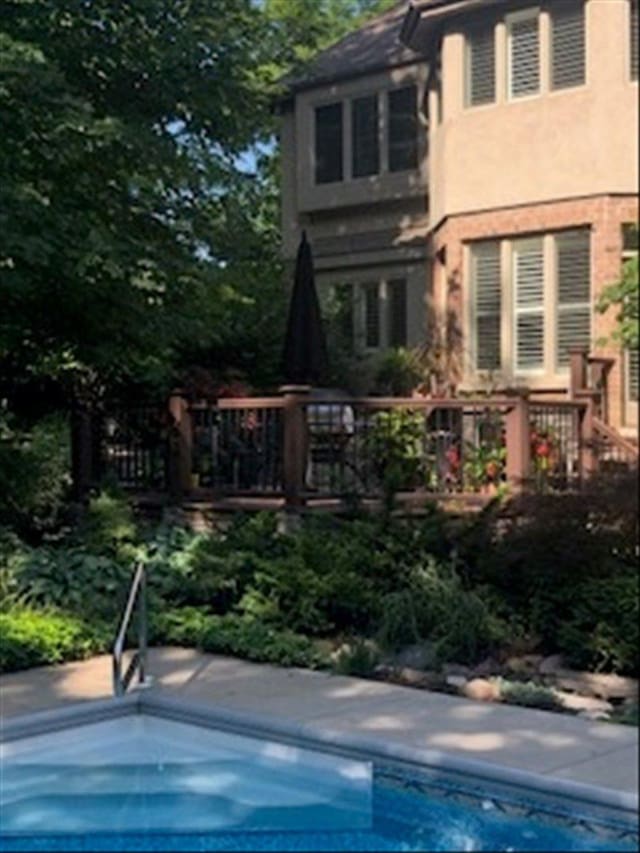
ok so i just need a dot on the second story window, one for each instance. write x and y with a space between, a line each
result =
523 56
364 137
397 312
328 143
633 39
567 44
480 71
403 129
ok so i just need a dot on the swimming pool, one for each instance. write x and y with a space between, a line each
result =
150 774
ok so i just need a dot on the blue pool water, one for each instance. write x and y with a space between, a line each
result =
156 785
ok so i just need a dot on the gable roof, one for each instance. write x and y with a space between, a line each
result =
375 46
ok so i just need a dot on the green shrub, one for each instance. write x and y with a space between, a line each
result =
395 446
235 635
528 694
108 524
29 638
399 625
358 657
34 474
602 632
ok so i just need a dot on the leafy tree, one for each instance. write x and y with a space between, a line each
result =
623 294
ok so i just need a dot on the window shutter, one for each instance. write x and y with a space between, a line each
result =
632 375
364 132
371 315
328 143
485 280
528 280
403 129
397 300
573 293
567 44
524 56
481 67
633 39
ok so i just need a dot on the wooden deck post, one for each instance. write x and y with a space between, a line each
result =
578 378
588 454
518 429
180 446
295 444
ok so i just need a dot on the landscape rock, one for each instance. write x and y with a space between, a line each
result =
418 656
524 664
481 690
599 684
551 665
489 666
411 677
574 702
456 681
593 715
456 669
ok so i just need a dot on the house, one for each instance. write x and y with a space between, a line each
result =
501 200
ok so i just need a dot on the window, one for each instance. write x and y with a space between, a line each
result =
364 135
567 44
397 313
523 60
328 143
403 129
548 308
632 375
528 288
486 289
371 315
633 39
573 292
480 67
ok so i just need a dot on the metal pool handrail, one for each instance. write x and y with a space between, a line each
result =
138 592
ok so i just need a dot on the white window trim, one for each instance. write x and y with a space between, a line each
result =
509 20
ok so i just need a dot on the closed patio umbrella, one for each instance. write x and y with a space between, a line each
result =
305 359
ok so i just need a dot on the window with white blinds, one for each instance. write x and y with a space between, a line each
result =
486 290
371 294
632 376
524 54
528 290
573 291
364 136
397 312
567 44
480 67
633 39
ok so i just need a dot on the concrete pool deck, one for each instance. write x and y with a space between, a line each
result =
555 745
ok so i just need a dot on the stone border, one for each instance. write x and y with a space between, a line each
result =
620 805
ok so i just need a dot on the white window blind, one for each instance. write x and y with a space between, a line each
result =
481 67
528 283
371 293
632 376
397 312
567 44
485 283
364 132
633 39
524 55
573 317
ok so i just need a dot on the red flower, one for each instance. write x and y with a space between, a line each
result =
453 457
543 449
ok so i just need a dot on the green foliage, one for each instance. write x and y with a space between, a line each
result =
398 372
31 638
528 694
602 631
34 473
235 635
358 657
395 443
623 295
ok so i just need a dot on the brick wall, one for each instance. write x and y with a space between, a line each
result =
604 214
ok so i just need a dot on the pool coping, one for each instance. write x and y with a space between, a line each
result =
313 735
